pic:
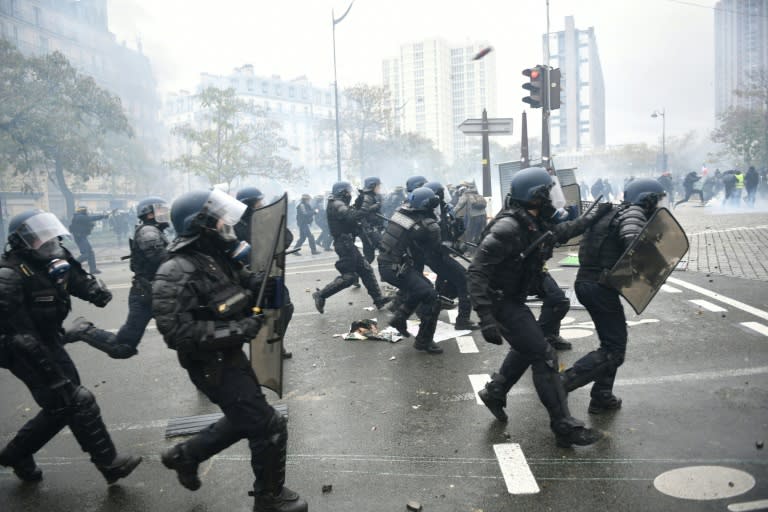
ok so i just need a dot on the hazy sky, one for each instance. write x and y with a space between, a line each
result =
654 53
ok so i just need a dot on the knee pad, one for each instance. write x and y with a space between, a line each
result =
85 402
549 358
277 430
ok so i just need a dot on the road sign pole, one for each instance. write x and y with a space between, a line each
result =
486 157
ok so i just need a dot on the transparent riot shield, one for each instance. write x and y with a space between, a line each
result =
268 226
572 195
647 263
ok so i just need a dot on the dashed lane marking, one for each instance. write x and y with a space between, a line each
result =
452 315
721 298
478 382
748 505
515 470
670 289
705 304
467 345
757 327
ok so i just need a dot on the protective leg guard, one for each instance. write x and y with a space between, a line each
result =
23 464
590 367
558 342
83 330
494 396
400 319
341 282
89 429
269 491
185 466
319 301
424 339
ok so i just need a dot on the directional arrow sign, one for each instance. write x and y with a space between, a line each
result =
496 126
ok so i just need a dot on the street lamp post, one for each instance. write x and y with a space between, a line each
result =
336 89
656 114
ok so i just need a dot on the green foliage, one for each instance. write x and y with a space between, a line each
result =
54 119
235 140
743 130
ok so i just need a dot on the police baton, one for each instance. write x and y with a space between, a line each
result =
543 238
457 253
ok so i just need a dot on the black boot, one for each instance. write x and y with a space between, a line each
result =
605 401
558 342
319 302
269 491
579 436
494 396
382 301
465 324
185 466
120 467
400 320
24 468
427 345
285 501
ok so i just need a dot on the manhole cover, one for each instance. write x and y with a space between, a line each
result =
704 482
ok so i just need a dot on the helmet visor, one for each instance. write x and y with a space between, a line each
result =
39 229
162 213
222 206
556 194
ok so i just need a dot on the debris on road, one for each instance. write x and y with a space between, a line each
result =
327 488
413 506
759 445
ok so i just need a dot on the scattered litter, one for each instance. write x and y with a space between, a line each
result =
413 506
368 329
369 308
759 445
373 428
392 358
327 488
351 303
415 407
307 290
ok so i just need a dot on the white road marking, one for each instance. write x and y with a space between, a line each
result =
748 505
452 315
467 345
478 382
320 270
728 230
669 289
517 474
757 327
574 334
705 304
721 298
633 323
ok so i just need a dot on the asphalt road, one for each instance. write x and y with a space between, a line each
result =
385 425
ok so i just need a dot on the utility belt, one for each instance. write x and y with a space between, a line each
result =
499 296
598 275
143 284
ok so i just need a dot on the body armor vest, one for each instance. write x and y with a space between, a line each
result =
395 240
600 247
140 264
340 224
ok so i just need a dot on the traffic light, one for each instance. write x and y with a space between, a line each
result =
554 89
535 86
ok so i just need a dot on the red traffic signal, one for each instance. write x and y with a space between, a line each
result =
535 86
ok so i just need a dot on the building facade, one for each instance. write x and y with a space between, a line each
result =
579 124
304 111
741 48
434 86
79 30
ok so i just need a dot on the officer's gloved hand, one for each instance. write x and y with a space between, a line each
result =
603 209
100 295
258 279
250 326
489 329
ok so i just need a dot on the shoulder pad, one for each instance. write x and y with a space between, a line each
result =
177 268
181 242
9 276
402 220
506 228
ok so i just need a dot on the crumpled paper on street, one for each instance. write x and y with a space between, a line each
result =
368 329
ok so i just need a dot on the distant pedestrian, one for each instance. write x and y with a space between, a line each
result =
751 181
692 185
324 240
597 189
472 209
305 214
82 226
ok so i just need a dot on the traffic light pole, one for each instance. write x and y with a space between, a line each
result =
546 159
486 156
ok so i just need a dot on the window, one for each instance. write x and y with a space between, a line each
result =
265 87
278 89
37 16
291 92
249 84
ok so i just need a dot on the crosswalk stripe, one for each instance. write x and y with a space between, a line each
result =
748 505
452 314
669 289
478 382
467 345
705 304
757 327
515 470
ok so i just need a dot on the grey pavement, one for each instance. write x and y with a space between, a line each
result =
384 424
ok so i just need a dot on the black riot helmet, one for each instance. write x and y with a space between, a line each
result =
37 233
251 196
645 192
342 190
437 188
414 182
423 199
157 207
206 211
530 187
370 184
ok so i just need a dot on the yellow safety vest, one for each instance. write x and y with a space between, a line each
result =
739 181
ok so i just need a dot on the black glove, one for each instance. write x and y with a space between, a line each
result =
602 209
251 325
489 329
271 287
100 295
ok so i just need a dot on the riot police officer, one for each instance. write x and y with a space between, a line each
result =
507 260
412 237
253 199
148 250
202 301
448 270
600 248
392 201
413 183
37 277
371 225
344 223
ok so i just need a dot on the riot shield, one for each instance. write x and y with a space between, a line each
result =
649 260
268 227
572 195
